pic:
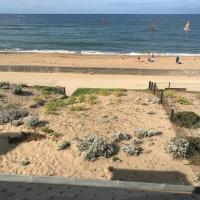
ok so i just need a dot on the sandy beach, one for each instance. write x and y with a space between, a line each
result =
108 61
109 115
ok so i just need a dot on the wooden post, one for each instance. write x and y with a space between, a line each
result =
172 115
152 85
149 85
65 95
161 96
169 85
154 88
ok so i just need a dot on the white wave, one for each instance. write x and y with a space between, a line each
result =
17 50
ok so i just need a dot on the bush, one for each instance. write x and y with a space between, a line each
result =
183 101
17 90
95 147
4 85
25 162
39 101
47 130
131 149
118 92
170 93
53 106
64 145
120 136
17 122
194 144
49 90
136 141
9 114
179 148
110 168
97 91
76 107
187 119
32 122
90 99
198 178
142 133
115 158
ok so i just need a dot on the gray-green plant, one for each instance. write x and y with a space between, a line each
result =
95 147
131 149
142 133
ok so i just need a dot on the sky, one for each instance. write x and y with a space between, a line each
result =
100 6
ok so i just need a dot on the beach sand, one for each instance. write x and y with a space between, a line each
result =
109 61
110 115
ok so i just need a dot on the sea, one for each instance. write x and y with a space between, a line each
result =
100 34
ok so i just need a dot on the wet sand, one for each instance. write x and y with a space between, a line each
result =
108 61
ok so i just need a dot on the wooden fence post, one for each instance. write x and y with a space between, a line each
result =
65 95
149 85
154 88
161 96
152 85
172 115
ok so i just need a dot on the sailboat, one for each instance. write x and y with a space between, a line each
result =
153 27
187 26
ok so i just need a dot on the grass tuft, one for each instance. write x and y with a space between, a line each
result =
183 101
53 106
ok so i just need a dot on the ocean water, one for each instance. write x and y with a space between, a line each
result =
100 34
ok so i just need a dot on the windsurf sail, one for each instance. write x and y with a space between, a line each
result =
153 26
187 26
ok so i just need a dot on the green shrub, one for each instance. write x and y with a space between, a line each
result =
187 119
76 107
25 162
96 91
47 130
32 122
110 168
90 99
118 92
4 85
170 93
115 158
46 90
39 101
194 144
183 101
64 145
17 90
53 106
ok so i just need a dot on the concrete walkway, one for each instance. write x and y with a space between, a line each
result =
74 81
13 187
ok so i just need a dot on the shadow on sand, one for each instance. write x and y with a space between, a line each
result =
167 177
9 141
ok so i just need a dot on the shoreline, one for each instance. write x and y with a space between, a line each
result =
98 53
97 61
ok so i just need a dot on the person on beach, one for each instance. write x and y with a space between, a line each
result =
178 60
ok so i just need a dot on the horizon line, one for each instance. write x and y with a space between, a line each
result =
99 13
